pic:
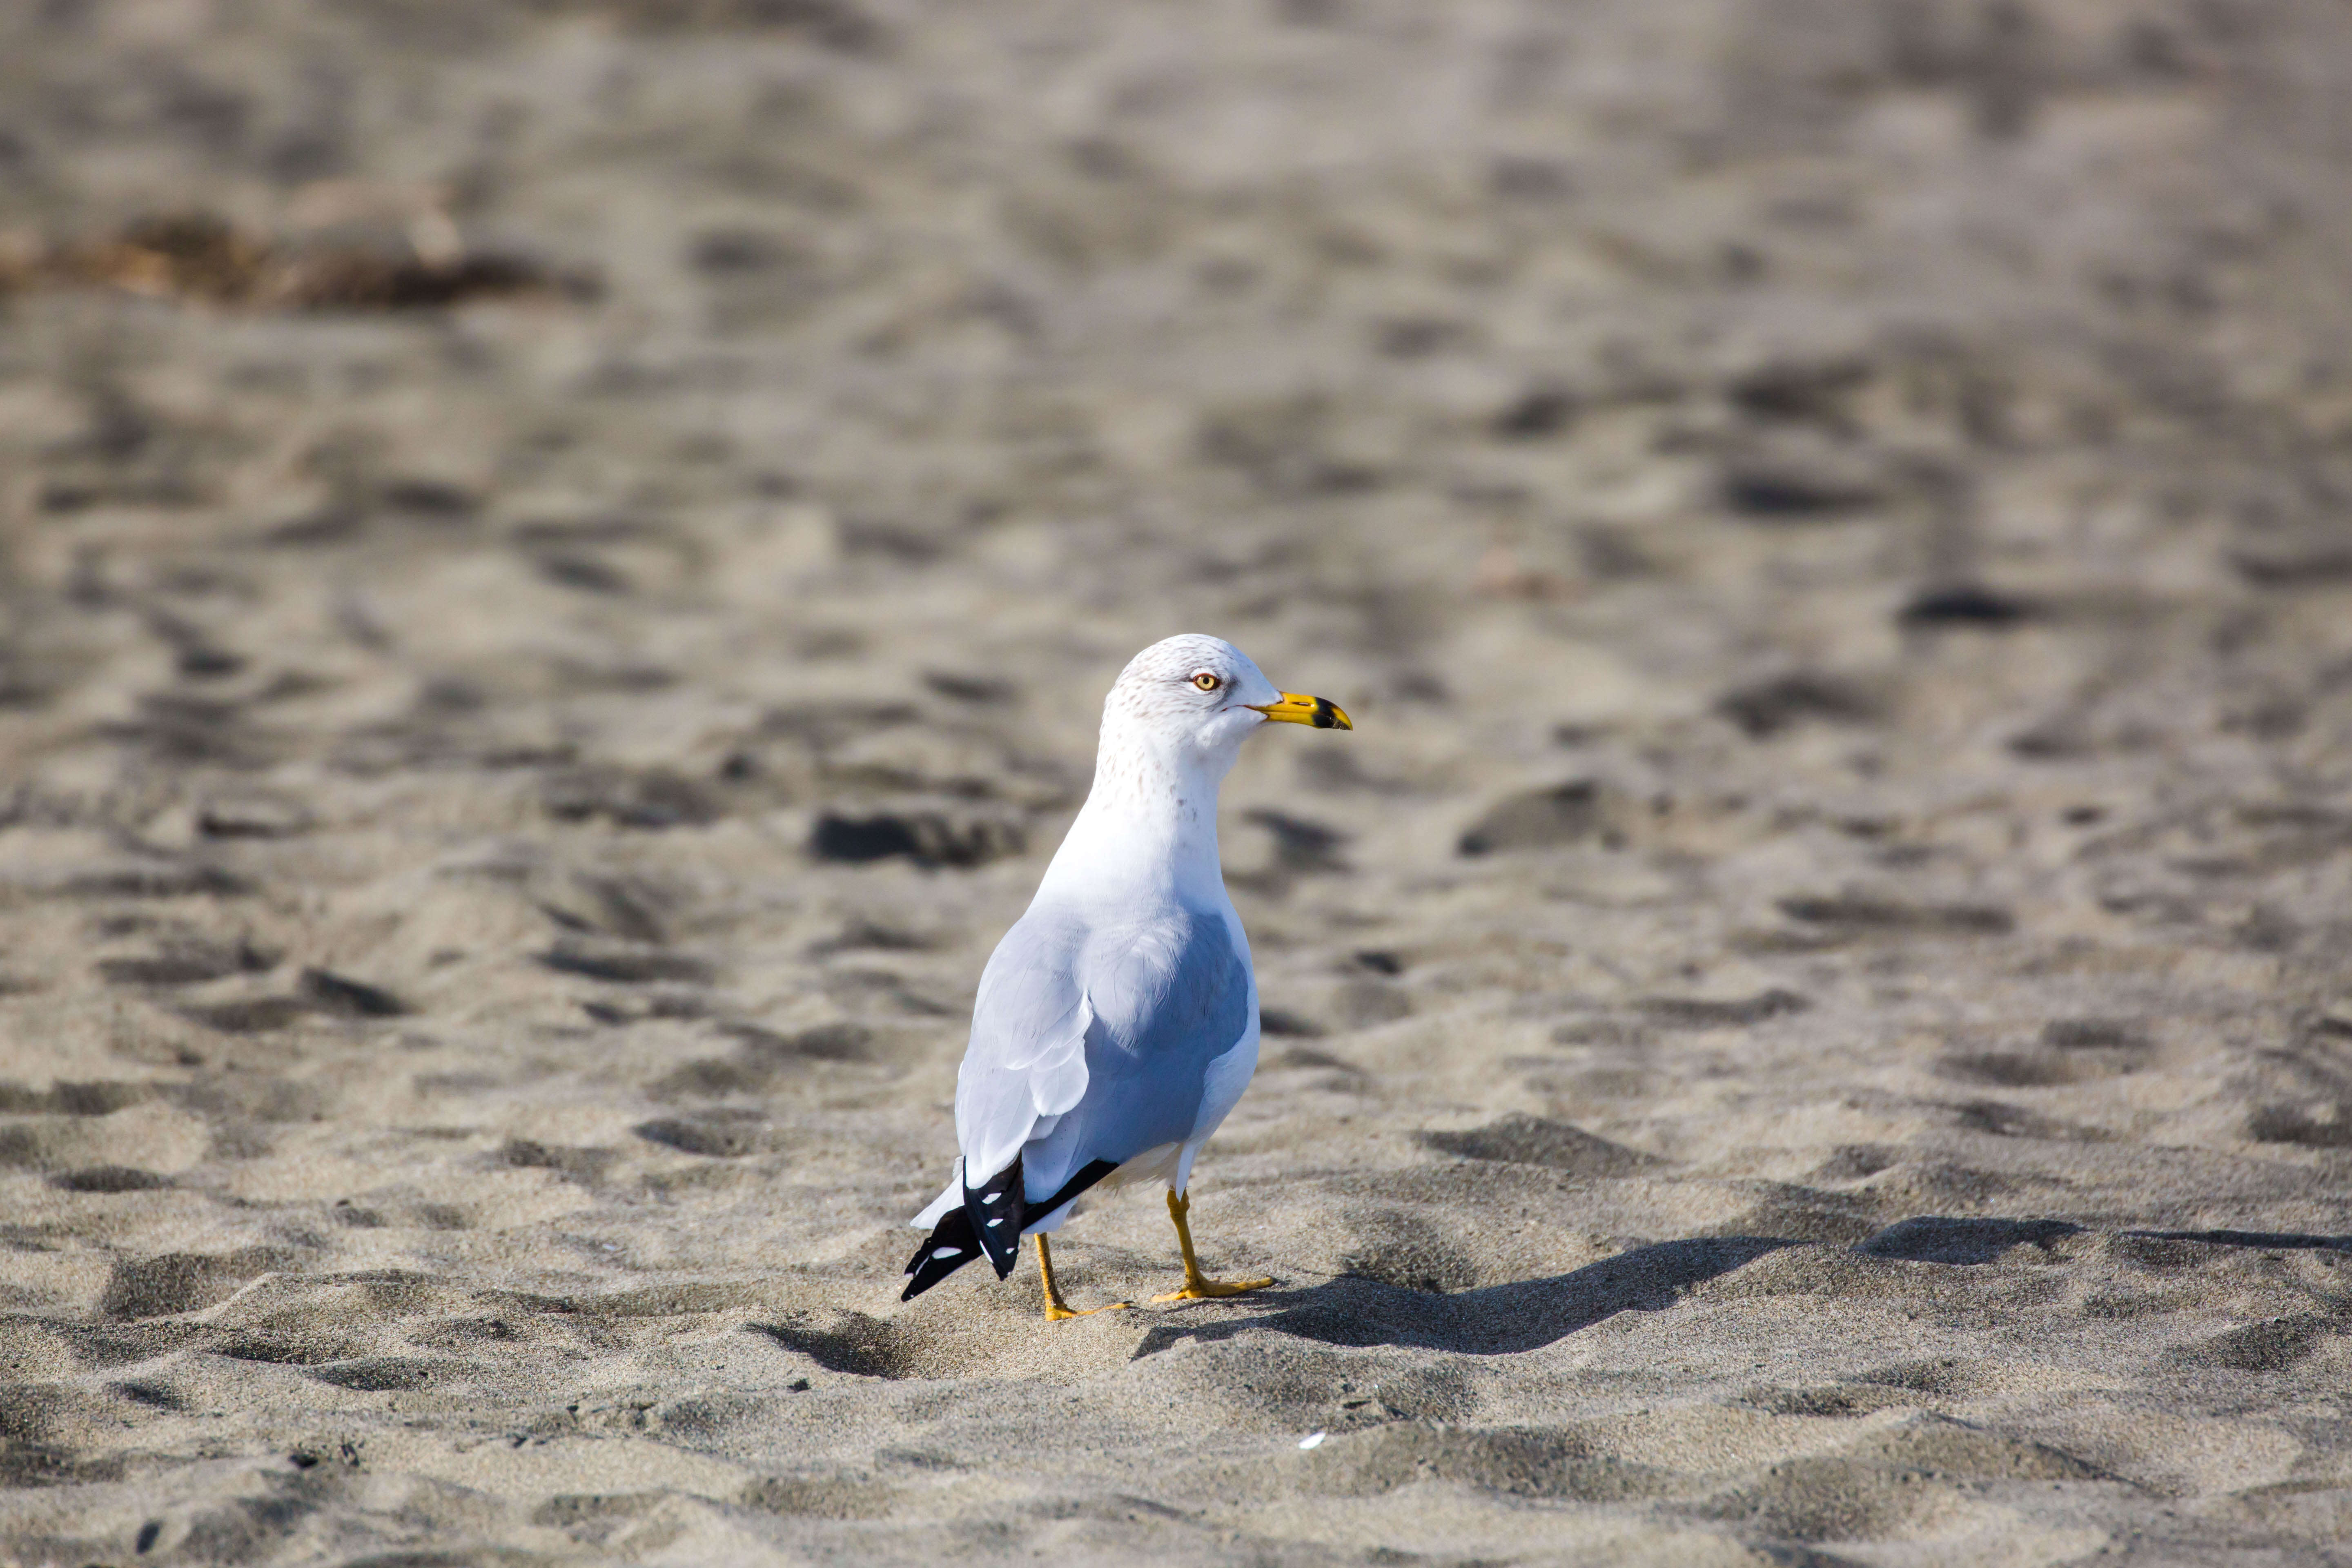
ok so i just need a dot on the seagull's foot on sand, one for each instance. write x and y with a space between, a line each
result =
1199 1286
1056 1310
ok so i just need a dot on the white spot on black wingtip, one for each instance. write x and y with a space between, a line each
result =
997 1221
948 1248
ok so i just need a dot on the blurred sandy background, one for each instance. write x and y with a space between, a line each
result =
559 563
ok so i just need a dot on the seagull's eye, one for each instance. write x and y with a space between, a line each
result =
1206 682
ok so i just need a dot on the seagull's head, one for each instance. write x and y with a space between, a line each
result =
1201 696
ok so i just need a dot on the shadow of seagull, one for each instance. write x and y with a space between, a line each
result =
1498 1320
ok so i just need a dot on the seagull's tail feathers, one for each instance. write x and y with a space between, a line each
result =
988 1225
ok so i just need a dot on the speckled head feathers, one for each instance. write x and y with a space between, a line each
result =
1188 701
1182 680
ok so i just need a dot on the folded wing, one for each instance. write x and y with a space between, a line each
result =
1027 1059
1168 996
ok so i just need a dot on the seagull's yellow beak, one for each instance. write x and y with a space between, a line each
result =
1297 708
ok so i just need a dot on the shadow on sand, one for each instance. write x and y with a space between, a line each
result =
1504 1319
1500 1319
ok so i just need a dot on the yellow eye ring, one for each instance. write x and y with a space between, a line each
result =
1206 682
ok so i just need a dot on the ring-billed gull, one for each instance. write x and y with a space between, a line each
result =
1117 1022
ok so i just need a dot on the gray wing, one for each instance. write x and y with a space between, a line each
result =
1169 996
1094 1042
1026 1060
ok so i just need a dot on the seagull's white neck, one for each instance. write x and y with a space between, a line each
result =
1150 824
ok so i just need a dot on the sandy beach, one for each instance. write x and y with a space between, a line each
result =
559 562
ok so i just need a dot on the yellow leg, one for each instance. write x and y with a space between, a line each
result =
1056 1308
1199 1286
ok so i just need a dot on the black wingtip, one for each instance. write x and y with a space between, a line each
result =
948 1248
999 1206
994 1212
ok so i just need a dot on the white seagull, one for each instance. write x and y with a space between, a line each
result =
1117 1022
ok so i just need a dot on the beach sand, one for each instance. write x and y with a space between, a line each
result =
561 562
